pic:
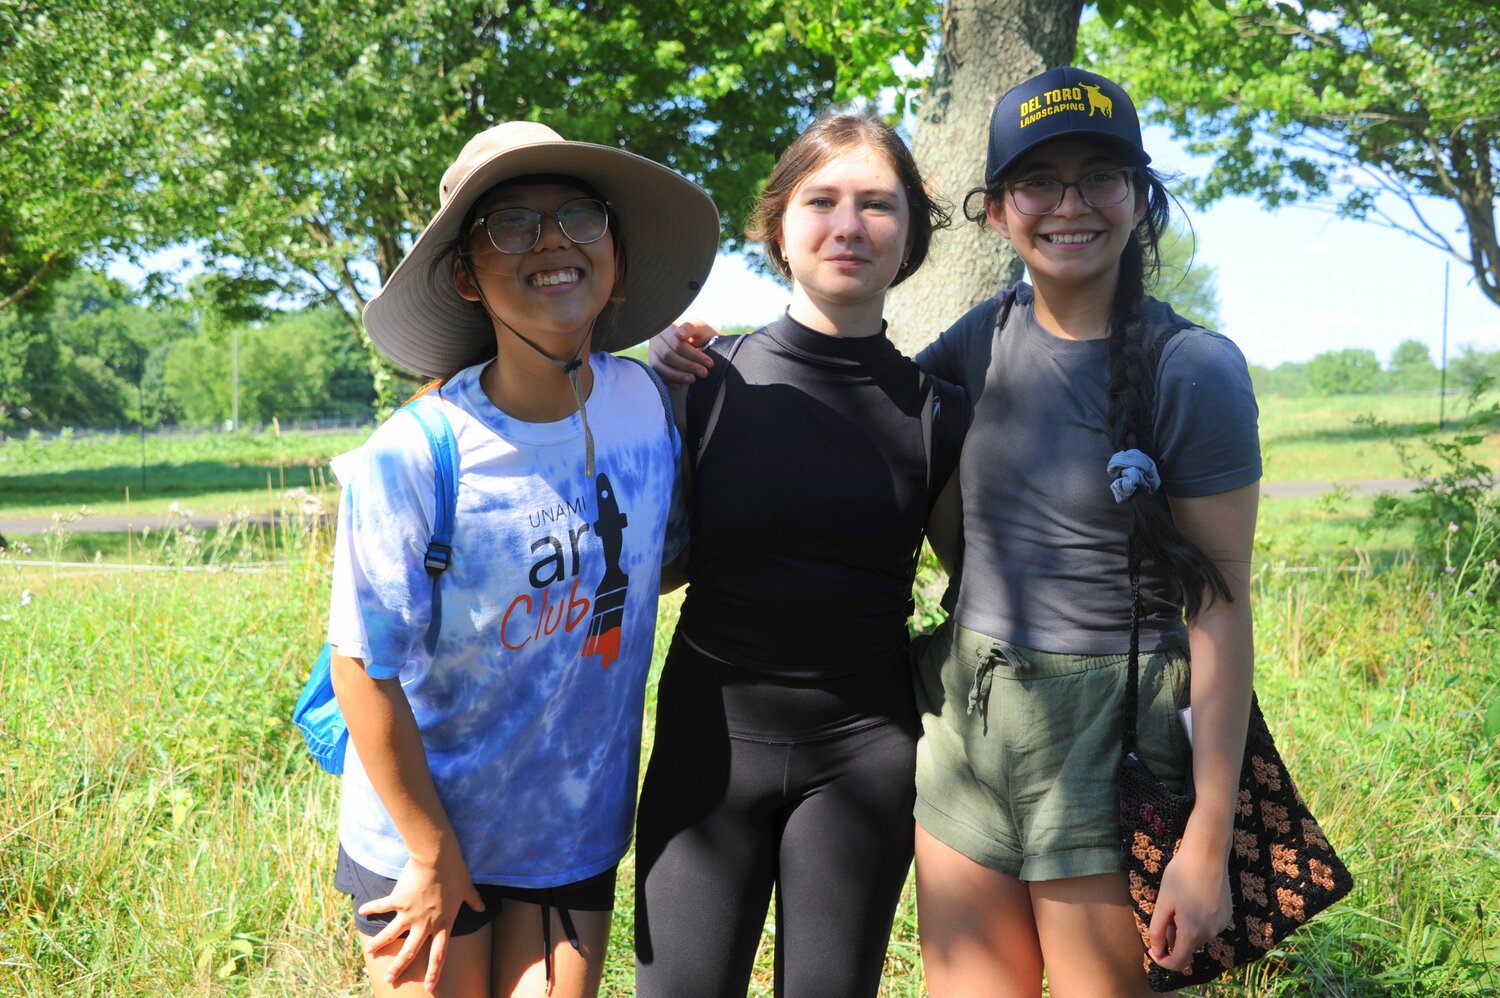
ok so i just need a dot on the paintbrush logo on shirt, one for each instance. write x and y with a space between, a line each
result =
556 573
609 599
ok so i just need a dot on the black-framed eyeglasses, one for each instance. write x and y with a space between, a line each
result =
516 230
1044 195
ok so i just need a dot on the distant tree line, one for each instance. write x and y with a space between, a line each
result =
100 355
1358 372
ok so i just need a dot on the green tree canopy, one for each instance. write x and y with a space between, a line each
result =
1366 107
1344 372
77 148
297 365
1287 379
1412 369
93 357
316 131
299 143
1473 365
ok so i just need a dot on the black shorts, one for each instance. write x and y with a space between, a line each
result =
597 893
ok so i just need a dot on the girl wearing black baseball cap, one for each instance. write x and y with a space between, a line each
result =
1098 411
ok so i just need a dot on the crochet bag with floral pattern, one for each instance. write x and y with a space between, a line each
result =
1282 871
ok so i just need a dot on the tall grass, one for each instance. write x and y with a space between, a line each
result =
162 831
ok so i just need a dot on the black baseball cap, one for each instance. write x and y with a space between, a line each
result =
1061 101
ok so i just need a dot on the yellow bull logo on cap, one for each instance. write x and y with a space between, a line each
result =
1098 100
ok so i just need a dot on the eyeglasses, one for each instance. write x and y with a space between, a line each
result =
516 230
1044 195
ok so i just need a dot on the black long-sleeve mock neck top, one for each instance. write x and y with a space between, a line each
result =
810 500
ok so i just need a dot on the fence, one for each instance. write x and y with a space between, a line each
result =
320 424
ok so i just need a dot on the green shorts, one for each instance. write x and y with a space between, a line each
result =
1016 764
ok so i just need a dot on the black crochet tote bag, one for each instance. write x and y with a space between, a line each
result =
1282 871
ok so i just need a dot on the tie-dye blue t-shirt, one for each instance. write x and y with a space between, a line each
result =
530 701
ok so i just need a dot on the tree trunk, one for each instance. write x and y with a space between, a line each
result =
988 47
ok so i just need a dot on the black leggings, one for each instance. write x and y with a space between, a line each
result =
724 817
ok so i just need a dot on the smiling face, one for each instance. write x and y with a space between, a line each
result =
551 293
846 230
1077 246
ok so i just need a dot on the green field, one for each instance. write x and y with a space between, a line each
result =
162 831
1318 439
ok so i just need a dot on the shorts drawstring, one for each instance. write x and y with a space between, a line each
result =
979 689
568 929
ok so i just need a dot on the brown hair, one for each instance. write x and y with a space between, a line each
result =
830 135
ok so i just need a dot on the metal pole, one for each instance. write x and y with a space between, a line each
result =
234 405
1443 371
140 403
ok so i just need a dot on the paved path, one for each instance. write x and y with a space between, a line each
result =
111 524
1356 486
121 524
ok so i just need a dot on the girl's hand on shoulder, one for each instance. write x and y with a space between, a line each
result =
675 352
425 900
1193 906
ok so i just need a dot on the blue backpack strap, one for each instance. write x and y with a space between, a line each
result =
439 432
317 712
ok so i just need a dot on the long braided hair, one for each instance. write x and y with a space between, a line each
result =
1132 402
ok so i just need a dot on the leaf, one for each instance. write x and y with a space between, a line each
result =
1492 720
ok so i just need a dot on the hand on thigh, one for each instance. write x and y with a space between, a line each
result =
466 970
978 934
519 969
1088 938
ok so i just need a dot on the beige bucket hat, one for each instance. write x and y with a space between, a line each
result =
670 227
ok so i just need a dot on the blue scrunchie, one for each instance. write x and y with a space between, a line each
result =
1130 470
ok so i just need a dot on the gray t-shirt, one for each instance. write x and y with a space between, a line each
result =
1044 562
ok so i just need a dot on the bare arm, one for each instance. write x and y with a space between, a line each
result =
435 881
1194 903
945 526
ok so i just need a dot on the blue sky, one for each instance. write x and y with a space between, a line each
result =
1292 283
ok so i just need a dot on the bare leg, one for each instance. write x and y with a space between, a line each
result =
979 938
1088 938
466 970
518 968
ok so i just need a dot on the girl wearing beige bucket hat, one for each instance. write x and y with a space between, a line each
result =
494 703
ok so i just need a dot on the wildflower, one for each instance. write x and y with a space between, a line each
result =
1452 528
1450 569
25 597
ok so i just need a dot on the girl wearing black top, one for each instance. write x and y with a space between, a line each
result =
786 729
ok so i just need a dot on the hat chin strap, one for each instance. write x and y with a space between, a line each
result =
573 368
